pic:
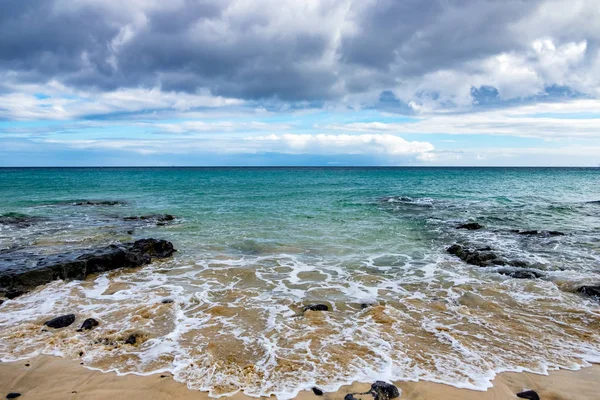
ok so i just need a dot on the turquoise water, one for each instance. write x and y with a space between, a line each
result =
256 244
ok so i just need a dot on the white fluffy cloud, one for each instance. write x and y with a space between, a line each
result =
545 121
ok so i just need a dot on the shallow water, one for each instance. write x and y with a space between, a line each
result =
256 245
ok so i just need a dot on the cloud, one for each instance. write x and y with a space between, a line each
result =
428 54
575 119
343 144
384 145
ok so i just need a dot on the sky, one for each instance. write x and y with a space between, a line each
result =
300 82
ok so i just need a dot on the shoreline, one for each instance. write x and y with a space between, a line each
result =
51 377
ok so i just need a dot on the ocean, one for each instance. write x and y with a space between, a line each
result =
256 245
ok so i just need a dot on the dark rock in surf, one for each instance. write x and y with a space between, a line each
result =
350 396
384 391
98 203
19 220
529 394
61 322
14 293
589 290
316 307
166 301
132 339
482 257
519 263
521 274
538 233
21 272
317 391
471 226
13 395
88 324
159 219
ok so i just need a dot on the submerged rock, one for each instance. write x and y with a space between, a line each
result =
98 203
20 272
538 233
472 226
590 290
88 324
521 274
529 394
61 322
384 391
19 220
13 395
159 219
316 307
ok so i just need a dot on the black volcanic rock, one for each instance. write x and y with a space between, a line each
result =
61 322
482 257
316 307
384 391
159 219
590 290
88 324
317 391
472 226
98 203
22 271
132 339
14 293
521 273
529 394
538 233
13 395
19 220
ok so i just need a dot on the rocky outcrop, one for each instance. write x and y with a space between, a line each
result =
158 219
20 272
482 257
486 257
471 226
19 220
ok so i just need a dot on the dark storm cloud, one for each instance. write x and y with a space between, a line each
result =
243 51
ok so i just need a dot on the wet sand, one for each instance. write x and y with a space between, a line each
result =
53 378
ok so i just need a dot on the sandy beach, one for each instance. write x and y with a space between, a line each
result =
53 378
